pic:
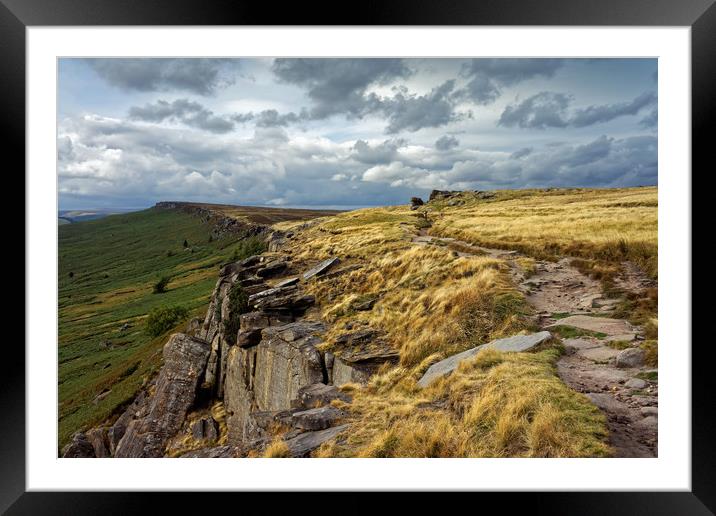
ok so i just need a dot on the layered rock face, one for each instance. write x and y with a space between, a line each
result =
175 392
259 352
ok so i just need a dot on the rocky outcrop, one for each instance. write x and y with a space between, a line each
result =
515 343
221 225
258 353
268 376
79 447
175 392
357 356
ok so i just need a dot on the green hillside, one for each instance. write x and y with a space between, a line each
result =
107 270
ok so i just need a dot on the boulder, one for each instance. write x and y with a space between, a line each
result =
252 323
515 343
294 302
320 268
635 383
79 447
271 269
631 357
442 194
303 444
270 375
317 419
98 438
185 360
136 409
317 395
287 360
343 373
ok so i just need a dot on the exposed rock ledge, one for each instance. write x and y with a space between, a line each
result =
263 361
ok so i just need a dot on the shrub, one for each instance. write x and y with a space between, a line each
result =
161 286
238 304
161 320
248 246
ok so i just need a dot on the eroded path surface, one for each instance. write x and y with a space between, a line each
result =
602 358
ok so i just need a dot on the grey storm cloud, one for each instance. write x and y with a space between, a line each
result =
272 118
651 120
489 76
184 111
339 85
413 112
446 142
385 152
604 113
549 109
521 153
202 76
545 109
601 162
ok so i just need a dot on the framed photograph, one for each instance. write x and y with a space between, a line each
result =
417 249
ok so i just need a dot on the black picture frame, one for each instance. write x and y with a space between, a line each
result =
700 15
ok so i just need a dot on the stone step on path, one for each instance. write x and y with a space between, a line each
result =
516 343
610 327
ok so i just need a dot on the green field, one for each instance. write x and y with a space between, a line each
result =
107 269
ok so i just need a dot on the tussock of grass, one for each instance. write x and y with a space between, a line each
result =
277 449
528 266
497 405
651 347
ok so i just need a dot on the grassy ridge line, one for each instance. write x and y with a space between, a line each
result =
605 225
106 272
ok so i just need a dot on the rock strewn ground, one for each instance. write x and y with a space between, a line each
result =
616 381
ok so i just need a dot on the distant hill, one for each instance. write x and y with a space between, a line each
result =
72 216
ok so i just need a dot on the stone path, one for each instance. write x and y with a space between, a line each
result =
563 297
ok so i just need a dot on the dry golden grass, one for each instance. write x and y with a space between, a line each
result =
496 405
610 225
431 303
277 449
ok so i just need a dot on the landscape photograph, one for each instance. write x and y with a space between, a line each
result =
357 257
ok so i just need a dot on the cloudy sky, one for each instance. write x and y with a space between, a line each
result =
348 132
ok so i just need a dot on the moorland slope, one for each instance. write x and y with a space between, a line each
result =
344 338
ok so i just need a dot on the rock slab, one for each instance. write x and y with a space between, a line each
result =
185 359
515 343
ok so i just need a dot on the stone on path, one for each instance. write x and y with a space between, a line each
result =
580 343
635 383
600 354
596 324
631 357
515 343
